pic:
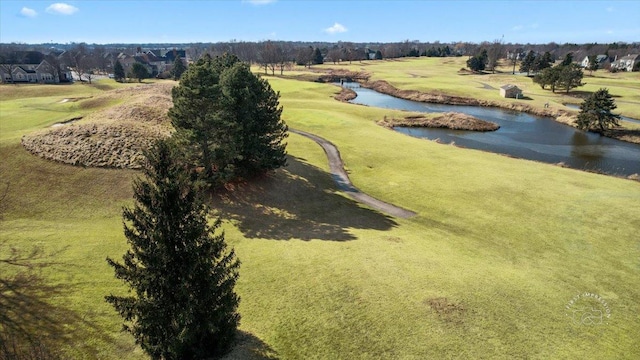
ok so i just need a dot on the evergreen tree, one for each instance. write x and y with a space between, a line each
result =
139 71
542 62
476 63
229 120
568 59
378 55
178 68
118 71
595 112
548 76
593 64
317 57
570 76
184 305
527 62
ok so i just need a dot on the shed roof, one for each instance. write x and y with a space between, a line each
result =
509 86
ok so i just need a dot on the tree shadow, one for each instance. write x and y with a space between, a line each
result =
580 94
300 201
31 326
621 132
250 347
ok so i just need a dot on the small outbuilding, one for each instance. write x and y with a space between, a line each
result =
510 91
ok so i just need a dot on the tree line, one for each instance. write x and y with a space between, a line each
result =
279 55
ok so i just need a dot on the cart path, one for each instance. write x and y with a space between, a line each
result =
340 176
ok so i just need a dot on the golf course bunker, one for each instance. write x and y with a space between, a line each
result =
341 178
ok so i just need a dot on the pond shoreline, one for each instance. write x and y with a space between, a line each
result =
559 115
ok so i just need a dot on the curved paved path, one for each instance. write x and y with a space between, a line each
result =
340 176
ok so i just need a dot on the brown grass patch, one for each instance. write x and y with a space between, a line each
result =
447 310
114 136
448 120
345 95
102 145
335 75
94 103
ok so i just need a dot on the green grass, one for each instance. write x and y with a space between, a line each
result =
441 75
507 242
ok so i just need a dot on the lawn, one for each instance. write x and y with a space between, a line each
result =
487 268
441 75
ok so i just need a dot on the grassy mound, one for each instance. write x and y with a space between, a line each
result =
121 124
448 120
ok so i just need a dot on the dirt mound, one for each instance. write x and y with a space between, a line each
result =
102 145
333 75
345 95
449 120
114 136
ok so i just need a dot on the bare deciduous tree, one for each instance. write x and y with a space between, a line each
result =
494 52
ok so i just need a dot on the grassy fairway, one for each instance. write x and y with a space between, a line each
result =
498 249
441 75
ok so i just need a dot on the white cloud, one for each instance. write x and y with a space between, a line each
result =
259 2
523 27
26 12
62 9
610 9
336 29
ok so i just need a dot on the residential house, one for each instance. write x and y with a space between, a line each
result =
627 63
127 62
172 54
601 60
42 72
156 64
510 91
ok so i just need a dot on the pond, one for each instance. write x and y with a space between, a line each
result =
520 135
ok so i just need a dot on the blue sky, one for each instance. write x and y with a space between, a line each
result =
158 21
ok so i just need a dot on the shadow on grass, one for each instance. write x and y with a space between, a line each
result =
31 326
297 202
580 94
250 347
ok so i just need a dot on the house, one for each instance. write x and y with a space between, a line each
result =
510 91
627 63
42 72
601 60
172 54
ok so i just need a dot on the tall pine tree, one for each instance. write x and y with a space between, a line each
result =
178 68
596 112
118 71
228 120
184 305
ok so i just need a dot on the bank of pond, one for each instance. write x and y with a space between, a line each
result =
519 135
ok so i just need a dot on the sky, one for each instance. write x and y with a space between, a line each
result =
160 21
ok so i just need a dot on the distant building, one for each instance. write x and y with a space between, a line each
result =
627 63
601 60
42 72
510 91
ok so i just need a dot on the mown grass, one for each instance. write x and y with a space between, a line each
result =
507 242
441 75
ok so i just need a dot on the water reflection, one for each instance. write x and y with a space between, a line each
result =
589 151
